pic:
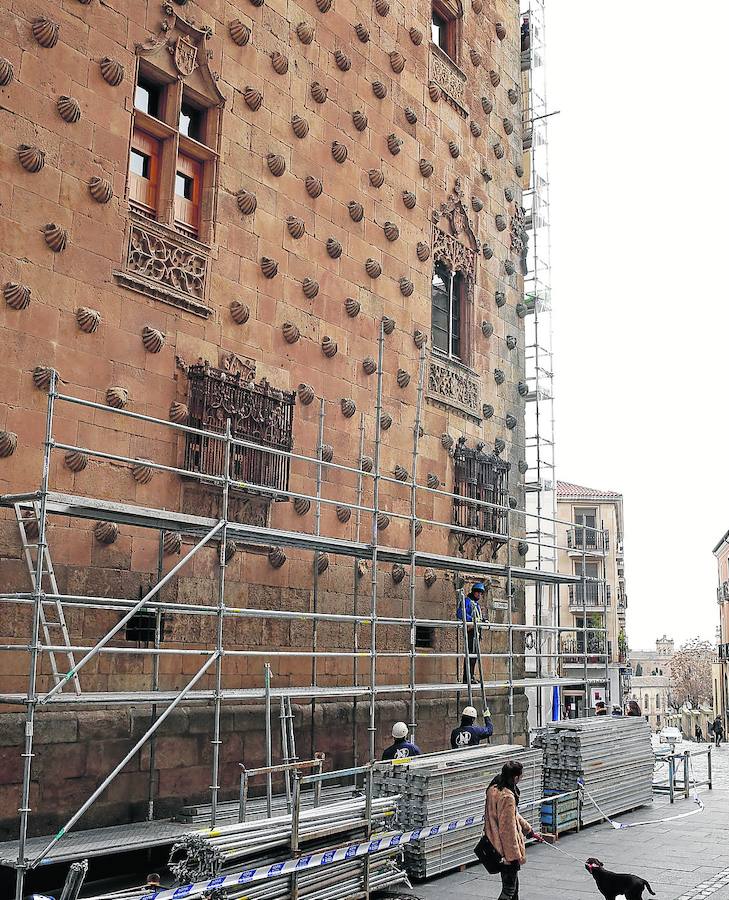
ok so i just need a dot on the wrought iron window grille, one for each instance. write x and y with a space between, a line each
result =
484 478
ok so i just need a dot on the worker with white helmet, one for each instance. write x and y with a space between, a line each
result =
401 747
468 734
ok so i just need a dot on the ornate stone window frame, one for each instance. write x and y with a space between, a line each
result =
452 383
166 258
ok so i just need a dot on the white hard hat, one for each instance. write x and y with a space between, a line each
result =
470 711
399 730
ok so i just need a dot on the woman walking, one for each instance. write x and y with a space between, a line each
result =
506 829
633 709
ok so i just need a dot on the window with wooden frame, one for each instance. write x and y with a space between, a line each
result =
173 155
447 296
446 16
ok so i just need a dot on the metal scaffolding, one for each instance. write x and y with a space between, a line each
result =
221 530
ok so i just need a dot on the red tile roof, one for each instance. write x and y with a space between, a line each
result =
566 489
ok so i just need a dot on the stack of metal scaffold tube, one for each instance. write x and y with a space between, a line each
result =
440 787
612 756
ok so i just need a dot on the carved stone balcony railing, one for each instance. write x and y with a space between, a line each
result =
449 78
166 265
454 385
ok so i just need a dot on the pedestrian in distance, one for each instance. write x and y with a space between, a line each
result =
633 709
505 828
470 608
468 733
718 731
401 747
698 734
617 712
600 708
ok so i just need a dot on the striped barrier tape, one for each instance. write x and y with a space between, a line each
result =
386 841
618 826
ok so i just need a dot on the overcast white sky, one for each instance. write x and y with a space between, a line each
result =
641 321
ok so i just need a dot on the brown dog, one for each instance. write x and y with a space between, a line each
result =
614 884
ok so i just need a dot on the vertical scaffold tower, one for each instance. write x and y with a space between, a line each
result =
542 603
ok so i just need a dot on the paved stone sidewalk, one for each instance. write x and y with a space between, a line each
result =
686 859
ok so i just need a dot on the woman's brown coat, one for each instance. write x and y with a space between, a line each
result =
504 827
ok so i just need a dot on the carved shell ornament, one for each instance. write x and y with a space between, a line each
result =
324 5
476 204
117 397
310 287
276 557
406 286
394 144
388 325
302 506
179 413
511 342
487 105
416 36
305 32
426 168
327 452
513 96
400 473
290 332
239 33
45 32
499 376
403 378
299 126
454 149
247 202
276 164
348 407
430 577
367 464
509 267
369 365
305 393
279 62
422 251
487 410
352 307
319 92
511 422
487 251
433 481
76 461
339 152
420 338
397 62
68 109
382 7
523 466
410 115
376 177
334 248
112 71
7 73
322 562
42 377
171 543
383 520
329 347
397 573
446 441
379 90
8 443
500 221
344 63
373 268
356 211
500 298
409 199
362 32
269 267
508 126
295 227
253 98
17 296
314 186
433 91
359 119
494 78
55 237
475 128
475 57
509 194
32 159
392 232
101 189
231 548
487 329
106 532
498 151
499 445
500 30
153 339
385 421
239 312
142 472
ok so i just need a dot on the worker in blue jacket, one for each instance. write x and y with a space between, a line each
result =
468 733
470 607
401 747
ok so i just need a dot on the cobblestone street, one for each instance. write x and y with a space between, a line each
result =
683 860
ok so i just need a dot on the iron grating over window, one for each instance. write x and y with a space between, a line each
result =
258 413
482 477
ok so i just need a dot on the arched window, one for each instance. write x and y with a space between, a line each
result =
646 704
658 702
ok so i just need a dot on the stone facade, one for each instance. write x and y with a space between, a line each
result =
121 302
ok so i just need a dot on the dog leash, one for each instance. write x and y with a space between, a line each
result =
564 852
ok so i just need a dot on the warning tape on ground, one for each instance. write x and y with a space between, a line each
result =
389 840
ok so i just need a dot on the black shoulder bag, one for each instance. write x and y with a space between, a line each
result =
488 856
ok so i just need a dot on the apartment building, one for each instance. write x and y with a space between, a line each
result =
590 535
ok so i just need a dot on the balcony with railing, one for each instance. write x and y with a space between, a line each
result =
723 652
722 592
590 595
573 650
581 539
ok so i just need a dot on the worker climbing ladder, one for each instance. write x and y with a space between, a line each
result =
477 620
52 619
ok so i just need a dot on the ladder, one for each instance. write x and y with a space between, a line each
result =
52 619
